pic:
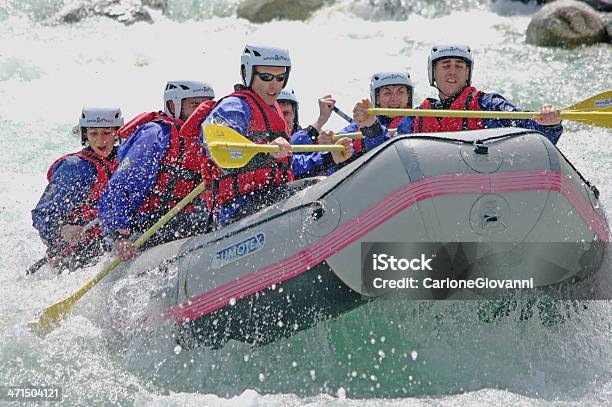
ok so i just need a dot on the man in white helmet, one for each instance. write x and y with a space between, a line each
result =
65 215
253 111
159 164
181 99
450 69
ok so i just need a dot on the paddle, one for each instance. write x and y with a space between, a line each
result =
230 149
36 266
65 252
596 110
357 135
342 114
51 315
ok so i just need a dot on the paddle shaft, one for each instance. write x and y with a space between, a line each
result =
483 114
342 114
36 266
356 135
267 148
596 110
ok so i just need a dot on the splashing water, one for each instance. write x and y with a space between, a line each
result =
109 353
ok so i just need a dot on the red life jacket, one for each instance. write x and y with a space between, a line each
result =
267 123
88 209
191 130
467 100
193 125
359 144
179 170
143 118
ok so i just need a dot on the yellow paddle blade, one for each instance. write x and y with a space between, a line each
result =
218 147
597 123
227 157
52 315
600 102
230 149
598 110
222 134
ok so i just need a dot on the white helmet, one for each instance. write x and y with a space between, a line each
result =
99 117
288 95
381 79
449 51
176 91
267 56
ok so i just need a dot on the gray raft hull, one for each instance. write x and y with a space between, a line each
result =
285 268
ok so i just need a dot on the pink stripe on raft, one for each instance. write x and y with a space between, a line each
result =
584 210
386 208
256 277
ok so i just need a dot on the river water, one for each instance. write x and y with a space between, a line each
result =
378 355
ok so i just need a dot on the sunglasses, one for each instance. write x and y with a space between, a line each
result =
267 77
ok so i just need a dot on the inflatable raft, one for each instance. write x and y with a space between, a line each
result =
300 261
